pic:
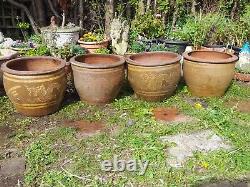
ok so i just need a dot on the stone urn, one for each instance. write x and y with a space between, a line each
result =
208 73
60 37
98 78
5 55
154 76
35 85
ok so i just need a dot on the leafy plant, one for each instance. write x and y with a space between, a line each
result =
137 47
92 37
23 26
213 28
148 26
39 155
102 51
41 50
68 51
37 39
158 47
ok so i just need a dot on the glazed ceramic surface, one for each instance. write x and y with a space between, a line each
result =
35 85
98 78
154 76
208 73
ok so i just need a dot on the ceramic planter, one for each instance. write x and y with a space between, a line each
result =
244 77
60 36
208 73
91 47
7 54
35 85
154 76
98 78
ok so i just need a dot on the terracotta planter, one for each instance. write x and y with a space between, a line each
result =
93 46
98 78
219 48
35 85
208 73
242 77
8 55
154 76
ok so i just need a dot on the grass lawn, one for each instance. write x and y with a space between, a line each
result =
59 155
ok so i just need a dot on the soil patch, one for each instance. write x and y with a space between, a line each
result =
12 172
195 100
242 106
170 115
86 128
5 133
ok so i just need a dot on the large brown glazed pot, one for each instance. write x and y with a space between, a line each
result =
154 76
7 55
35 85
208 73
98 78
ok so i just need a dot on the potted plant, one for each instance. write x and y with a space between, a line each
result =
93 41
213 31
65 34
154 76
35 85
208 73
25 45
5 55
98 78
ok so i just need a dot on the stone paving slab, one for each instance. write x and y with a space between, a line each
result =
187 144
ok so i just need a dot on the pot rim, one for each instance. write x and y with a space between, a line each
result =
120 62
174 42
93 43
48 29
172 61
6 69
232 59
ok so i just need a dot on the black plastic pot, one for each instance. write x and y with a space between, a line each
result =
172 45
175 45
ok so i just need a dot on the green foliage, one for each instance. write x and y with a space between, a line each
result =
41 50
23 25
37 39
244 68
39 155
58 179
68 51
137 47
148 26
212 28
163 5
158 47
102 51
245 20
92 37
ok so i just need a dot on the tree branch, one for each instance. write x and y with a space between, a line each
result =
54 10
32 22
